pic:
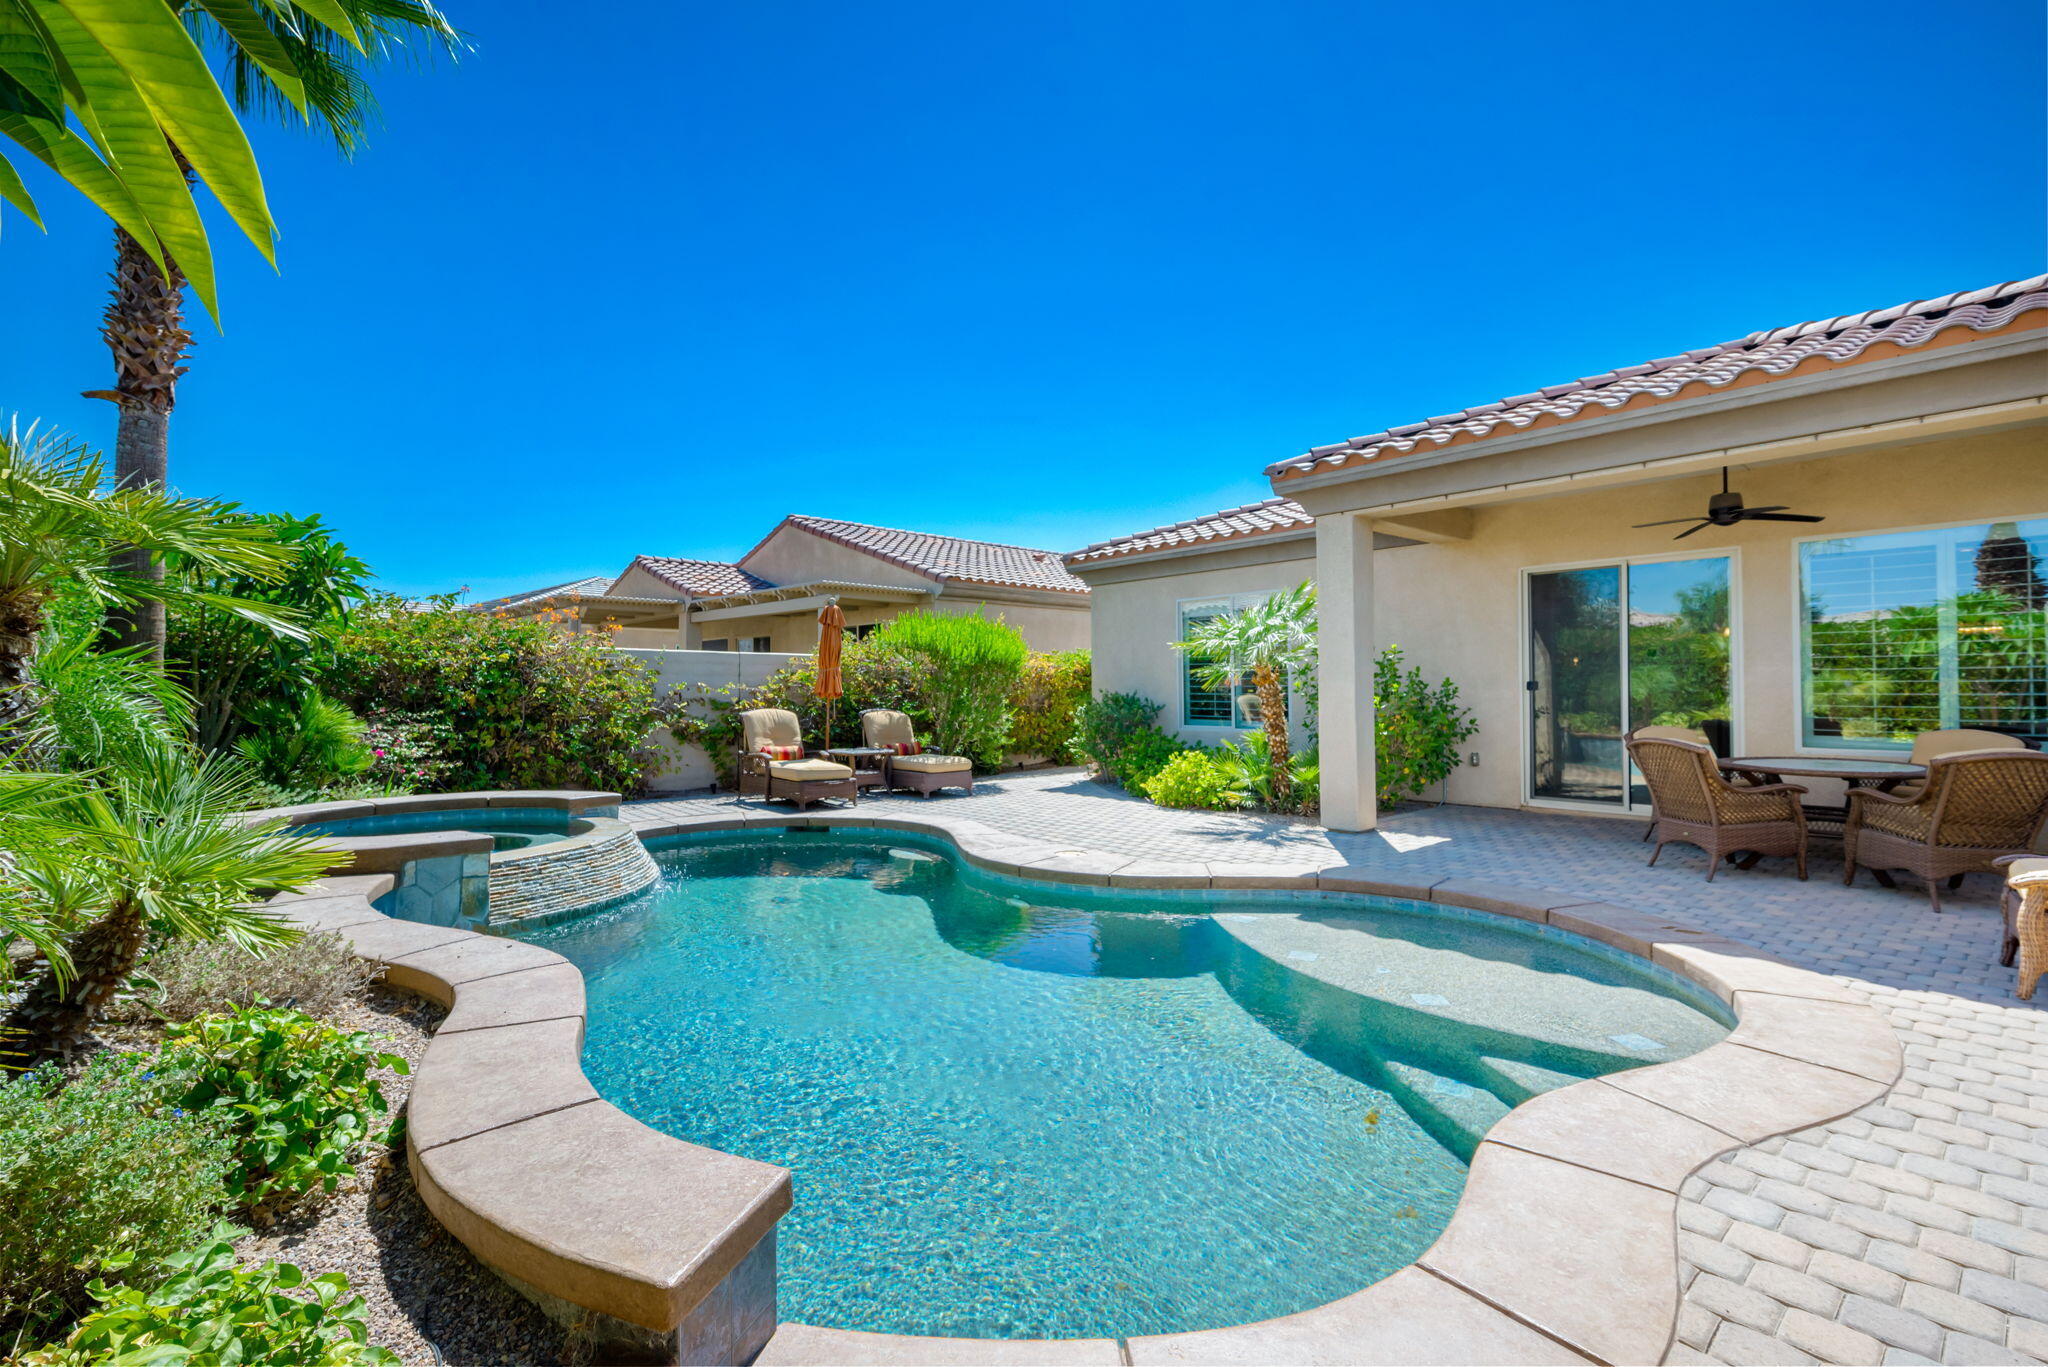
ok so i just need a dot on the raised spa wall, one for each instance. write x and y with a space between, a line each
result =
445 874
1563 1247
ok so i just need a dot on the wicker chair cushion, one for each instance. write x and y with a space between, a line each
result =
2026 870
807 770
769 726
884 729
1929 746
1691 735
932 764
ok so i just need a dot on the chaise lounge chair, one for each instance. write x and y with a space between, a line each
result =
907 765
772 762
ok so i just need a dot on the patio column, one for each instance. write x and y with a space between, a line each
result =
1344 671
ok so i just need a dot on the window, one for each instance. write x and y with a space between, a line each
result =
754 643
864 630
1237 706
1925 631
719 644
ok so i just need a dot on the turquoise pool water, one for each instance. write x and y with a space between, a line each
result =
510 828
1025 1110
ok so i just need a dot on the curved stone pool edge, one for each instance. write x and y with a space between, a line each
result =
1563 1247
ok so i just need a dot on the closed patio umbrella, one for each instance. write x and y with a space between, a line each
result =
829 685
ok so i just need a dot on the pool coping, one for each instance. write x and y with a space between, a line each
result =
1562 1248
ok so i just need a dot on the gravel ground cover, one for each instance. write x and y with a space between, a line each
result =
427 1299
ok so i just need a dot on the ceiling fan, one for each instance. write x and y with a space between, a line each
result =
1725 510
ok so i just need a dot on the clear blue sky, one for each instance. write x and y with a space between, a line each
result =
643 277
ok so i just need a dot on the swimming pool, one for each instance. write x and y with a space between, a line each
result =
1032 1110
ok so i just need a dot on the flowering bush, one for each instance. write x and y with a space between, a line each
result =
509 702
408 751
98 1178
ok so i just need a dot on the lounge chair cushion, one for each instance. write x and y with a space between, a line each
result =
932 764
807 770
884 728
769 726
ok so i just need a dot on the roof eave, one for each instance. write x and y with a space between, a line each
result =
1201 546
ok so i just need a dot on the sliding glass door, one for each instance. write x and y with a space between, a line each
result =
1614 647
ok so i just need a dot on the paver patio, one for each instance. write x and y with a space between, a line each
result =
1915 1230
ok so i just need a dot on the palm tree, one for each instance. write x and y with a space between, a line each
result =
300 64
157 845
1272 640
59 525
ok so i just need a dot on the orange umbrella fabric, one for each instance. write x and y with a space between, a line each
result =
829 684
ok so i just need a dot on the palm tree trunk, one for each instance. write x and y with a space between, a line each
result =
21 620
144 326
1273 712
51 1020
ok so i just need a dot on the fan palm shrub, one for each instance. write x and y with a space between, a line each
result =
156 845
1272 641
60 525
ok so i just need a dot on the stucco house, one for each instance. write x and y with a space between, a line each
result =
768 599
1500 546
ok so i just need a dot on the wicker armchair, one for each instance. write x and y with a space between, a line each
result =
1929 746
2026 921
1694 805
909 766
773 762
1685 733
1974 809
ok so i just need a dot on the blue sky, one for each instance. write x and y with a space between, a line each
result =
1040 274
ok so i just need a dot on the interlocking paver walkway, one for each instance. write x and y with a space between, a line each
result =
1915 1230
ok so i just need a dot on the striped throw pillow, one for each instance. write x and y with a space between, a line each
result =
783 751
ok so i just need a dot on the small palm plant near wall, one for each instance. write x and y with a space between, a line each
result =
1272 641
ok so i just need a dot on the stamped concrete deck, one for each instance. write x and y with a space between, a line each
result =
1914 1230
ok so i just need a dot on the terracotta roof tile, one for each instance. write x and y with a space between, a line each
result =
949 557
1253 519
1770 353
700 578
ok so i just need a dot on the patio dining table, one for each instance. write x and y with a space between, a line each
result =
1883 775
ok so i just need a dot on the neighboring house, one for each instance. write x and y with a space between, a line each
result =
1499 547
768 600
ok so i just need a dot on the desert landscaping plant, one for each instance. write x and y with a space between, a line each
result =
1419 728
1052 688
99 1177
970 665
316 973
1273 641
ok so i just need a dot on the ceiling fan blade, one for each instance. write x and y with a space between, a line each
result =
1752 512
1690 530
1667 522
1784 517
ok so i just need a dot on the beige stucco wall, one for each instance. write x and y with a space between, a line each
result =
1136 622
636 582
1046 627
793 556
1456 607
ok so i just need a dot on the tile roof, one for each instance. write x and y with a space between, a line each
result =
1759 356
700 578
1253 519
589 588
948 557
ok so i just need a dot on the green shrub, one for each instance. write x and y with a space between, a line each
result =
1248 764
1052 689
408 751
1419 731
516 702
871 675
1115 733
211 1313
299 1092
969 664
100 1178
1193 778
317 972
307 745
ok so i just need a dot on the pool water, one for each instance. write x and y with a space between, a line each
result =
510 828
1021 1110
